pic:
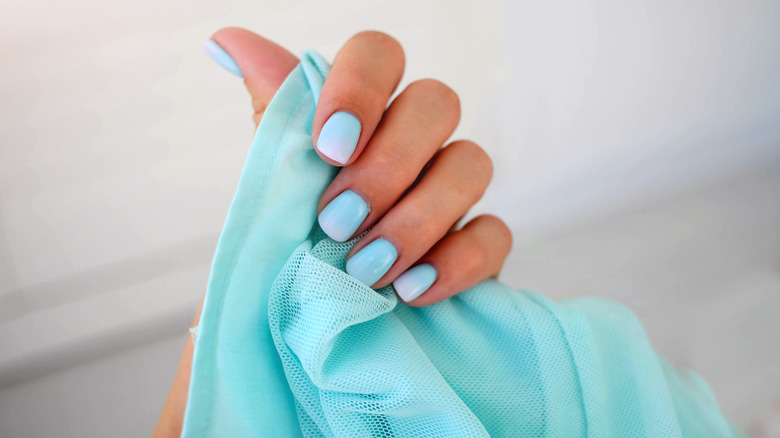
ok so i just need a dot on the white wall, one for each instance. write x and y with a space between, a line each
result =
610 102
121 144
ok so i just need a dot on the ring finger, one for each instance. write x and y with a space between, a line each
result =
455 181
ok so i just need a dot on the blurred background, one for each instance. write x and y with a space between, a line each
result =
636 149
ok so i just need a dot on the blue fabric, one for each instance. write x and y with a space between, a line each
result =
290 345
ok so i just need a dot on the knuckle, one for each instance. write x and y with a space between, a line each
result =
436 93
355 84
259 104
390 161
492 232
477 258
502 235
380 41
477 167
392 167
428 228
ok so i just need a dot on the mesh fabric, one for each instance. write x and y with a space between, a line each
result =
290 345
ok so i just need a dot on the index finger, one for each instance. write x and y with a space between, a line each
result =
364 75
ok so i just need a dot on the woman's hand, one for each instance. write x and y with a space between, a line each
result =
396 180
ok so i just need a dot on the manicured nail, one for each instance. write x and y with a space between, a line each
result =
372 262
412 283
342 217
222 58
339 137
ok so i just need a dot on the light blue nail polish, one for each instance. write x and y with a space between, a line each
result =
342 217
412 283
372 262
222 58
339 137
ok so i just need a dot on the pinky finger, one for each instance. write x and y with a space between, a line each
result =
458 261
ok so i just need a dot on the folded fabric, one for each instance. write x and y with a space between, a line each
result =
290 345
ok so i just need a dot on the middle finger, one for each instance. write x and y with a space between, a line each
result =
415 126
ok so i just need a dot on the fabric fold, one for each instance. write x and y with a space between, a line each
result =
290 345
237 385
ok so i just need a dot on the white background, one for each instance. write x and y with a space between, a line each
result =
636 147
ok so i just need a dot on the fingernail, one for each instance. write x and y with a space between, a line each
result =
412 283
372 262
343 215
222 58
339 137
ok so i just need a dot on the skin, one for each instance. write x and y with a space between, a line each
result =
417 189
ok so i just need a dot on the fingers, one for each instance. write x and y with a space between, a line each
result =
263 64
364 75
457 262
456 179
411 211
415 126
395 178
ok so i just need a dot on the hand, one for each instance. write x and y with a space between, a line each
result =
396 178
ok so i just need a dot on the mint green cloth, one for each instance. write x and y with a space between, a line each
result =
290 345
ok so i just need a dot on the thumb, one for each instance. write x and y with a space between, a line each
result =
263 64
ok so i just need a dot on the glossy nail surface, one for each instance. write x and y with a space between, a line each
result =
372 262
412 283
339 137
342 217
222 58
